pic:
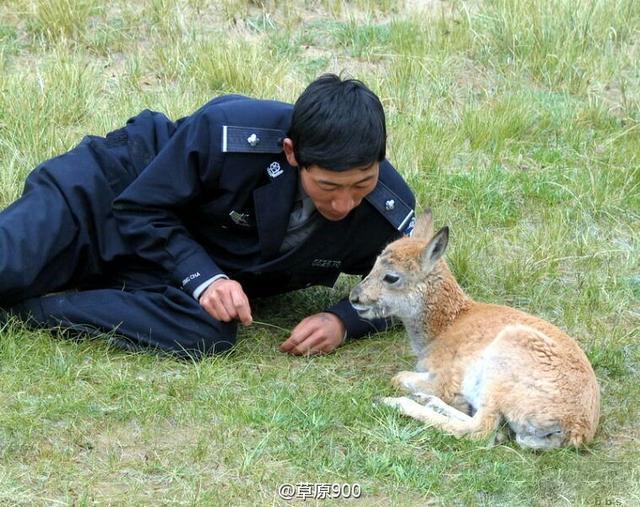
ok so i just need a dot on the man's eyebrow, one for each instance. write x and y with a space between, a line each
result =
334 184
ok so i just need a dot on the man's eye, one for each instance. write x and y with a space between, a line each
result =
391 278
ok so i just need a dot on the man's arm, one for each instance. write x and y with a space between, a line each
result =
147 210
323 332
356 326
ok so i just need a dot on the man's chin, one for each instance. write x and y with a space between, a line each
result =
332 217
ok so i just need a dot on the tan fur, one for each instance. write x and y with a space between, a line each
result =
503 363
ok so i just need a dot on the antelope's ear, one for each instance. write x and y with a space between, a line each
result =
424 226
434 249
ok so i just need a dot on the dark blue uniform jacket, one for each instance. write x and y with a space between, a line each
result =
212 193
193 176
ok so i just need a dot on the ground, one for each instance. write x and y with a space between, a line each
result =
516 122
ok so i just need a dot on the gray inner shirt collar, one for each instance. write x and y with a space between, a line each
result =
303 209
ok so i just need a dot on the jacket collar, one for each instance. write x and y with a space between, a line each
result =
273 204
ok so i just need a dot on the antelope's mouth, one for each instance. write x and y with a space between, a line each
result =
366 311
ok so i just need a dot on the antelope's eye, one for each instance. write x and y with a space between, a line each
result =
390 278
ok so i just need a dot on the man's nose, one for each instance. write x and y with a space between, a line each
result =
343 204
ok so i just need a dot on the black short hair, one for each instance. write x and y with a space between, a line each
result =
338 124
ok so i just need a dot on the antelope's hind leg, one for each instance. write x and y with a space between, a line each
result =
550 436
427 408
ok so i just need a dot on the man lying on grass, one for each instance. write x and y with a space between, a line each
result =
162 232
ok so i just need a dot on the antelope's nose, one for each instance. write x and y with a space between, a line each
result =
354 296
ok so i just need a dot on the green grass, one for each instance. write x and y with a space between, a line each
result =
516 122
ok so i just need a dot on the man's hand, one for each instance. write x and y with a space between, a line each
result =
225 300
317 334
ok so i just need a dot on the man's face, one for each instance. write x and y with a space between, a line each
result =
334 193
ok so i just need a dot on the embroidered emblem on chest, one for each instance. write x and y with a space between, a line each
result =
326 263
241 219
274 170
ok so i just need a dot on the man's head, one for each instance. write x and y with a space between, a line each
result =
338 125
338 138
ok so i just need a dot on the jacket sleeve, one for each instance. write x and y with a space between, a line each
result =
147 211
355 325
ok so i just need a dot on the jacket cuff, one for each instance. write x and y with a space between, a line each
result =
194 270
204 285
355 325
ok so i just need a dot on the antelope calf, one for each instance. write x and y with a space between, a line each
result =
479 365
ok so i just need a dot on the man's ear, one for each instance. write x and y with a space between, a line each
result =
287 146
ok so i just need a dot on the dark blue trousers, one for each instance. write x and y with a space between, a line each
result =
63 263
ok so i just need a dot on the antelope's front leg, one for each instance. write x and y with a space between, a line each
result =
415 382
415 410
406 405
440 415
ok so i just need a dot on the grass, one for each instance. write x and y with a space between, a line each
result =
517 122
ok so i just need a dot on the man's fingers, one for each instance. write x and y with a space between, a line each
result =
244 314
216 311
317 334
289 343
220 311
243 309
311 345
225 300
298 335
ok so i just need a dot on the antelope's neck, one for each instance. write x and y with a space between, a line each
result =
444 301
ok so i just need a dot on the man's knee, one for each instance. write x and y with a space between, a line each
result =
192 337
214 339
222 339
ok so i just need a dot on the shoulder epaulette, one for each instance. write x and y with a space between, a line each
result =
392 207
251 140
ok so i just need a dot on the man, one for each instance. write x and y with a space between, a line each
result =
163 231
